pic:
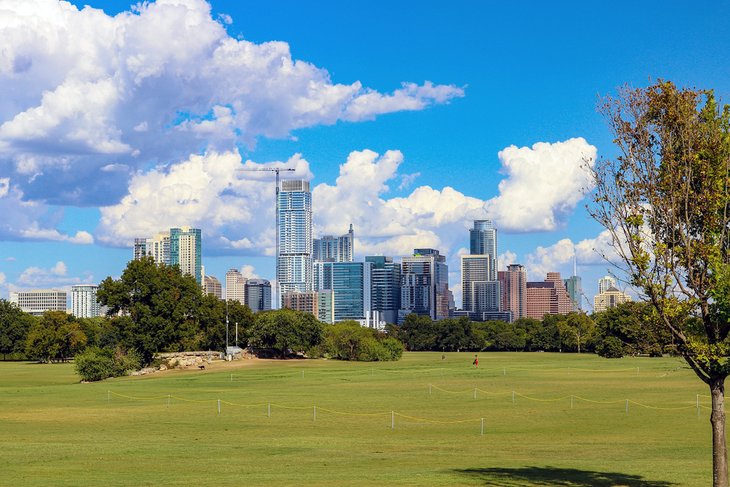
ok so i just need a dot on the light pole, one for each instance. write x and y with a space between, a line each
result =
226 327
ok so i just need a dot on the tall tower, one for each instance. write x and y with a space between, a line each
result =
185 251
334 249
513 283
605 283
483 241
425 284
235 286
294 222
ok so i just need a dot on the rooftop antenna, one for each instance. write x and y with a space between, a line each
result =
275 170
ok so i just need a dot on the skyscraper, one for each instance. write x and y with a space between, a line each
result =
605 283
185 251
350 283
425 284
547 297
39 301
83 301
513 284
212 286
235 286
483 241
574 288
385 286
258 294
294 221
334 249
610 298
479 292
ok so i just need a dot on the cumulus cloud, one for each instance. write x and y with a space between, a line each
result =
595 251
56 277
94 93
506 258
543 184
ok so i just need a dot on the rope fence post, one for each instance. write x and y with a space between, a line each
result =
475 393
219 406
429 389
392 420
513 397
482 430
231 377
314 413
504 370
571 401
627 407
269 410
108 396
637 371
168 400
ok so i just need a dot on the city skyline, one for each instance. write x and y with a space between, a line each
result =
409 127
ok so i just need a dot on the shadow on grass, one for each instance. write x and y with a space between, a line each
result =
561 477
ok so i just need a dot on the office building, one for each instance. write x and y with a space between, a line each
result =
83 301
605 283
140 248
350 283
479 293
547 297
39 301
258 294
483 241
326 306
610 298
235 286
212 286
513 286
294 221
334 249
575 290
185 251
307 302
385 287
425 284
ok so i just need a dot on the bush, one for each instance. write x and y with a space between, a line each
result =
95 364
610 347
350 341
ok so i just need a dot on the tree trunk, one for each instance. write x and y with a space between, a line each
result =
719 446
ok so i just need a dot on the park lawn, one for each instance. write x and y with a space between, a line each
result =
412 422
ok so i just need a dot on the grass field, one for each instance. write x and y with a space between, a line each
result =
165 429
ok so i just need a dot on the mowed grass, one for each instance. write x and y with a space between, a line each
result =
165 429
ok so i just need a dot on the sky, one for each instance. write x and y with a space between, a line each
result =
411 119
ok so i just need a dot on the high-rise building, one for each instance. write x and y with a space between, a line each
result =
513 284
425 284
294 221
605 283
350 283
307 302
483 241
334 249
185 251
178 246
39 301
575 290
547 297
326 306
479 293
235 286
258 294
385 287
212 286
83 301
610 298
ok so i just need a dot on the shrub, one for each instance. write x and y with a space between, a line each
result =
610 347
95 364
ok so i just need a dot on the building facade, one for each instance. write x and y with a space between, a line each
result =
350 283
180 247
212 286
39 301
479 292
385 287
294 221
334 249
605 283
83 301
307 302
425 284
235 286
548 297
574 288
258 294
483 241
610 298
513 286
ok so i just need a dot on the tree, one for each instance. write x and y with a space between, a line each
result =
665 200
56 336
635 325
14 327
348 340
162 306
285 331
418 332
576 331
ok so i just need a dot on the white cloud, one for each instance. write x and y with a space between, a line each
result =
56 277
93 91
4 187
2 278
506 258
589 252
249 272
543 184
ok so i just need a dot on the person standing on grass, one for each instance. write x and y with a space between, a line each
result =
475 363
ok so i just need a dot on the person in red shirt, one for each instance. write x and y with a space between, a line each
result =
475 363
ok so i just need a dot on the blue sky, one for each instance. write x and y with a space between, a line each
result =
103 108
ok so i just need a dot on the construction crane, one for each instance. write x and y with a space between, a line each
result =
275 170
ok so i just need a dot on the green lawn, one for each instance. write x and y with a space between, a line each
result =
55 431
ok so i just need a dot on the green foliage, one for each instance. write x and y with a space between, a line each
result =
284 332
95 364
636 325
610 347
350 341
56 336
14 327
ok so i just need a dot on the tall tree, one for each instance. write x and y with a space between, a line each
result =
666 202
14 327
56 336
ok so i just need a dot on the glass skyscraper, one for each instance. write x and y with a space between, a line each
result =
335 249
385 286
350 283
294 221
483 241
425 284
185 251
